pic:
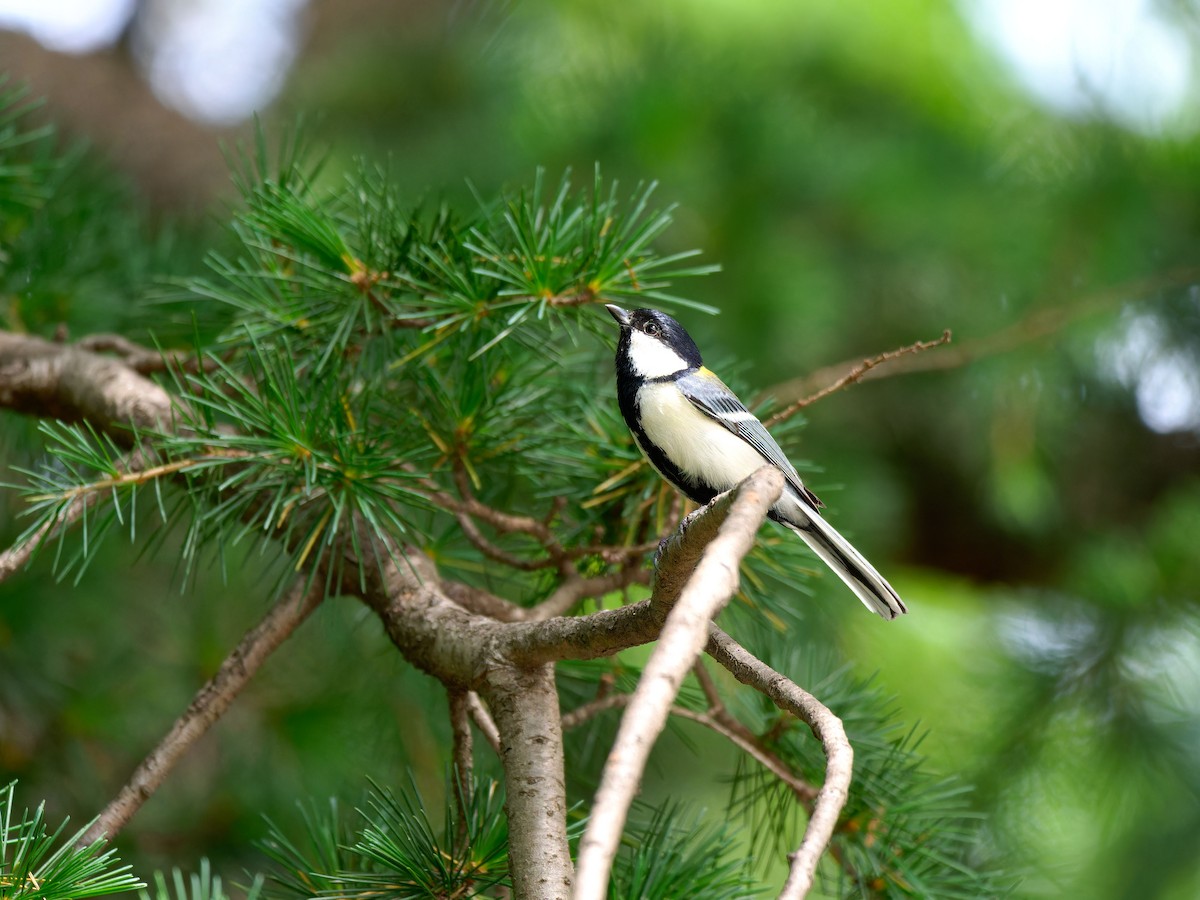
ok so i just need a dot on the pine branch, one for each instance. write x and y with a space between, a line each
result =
16 556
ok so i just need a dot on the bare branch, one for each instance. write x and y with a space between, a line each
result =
744 741
64 382
483 721
683 636
593 708
827 727
208 705
575 588
856 373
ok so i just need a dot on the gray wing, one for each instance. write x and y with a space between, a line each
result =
710 395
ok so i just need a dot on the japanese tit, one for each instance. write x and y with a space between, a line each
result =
697 434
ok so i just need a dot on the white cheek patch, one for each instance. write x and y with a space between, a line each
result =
652 358
695 443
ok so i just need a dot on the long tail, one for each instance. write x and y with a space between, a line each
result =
847 563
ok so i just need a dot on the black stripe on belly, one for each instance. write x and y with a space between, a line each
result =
627 389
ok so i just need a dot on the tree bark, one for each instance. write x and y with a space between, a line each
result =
524 703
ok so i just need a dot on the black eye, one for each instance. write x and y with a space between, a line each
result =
652 329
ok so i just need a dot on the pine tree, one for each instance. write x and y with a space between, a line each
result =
411 406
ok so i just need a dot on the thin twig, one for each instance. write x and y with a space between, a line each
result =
484 603
827 727
135 476
682 638
467 508
708 686
16 556
145 360
483 721
495 553
856 374
463 756
593 708
741 738
574 588
725 722
208 705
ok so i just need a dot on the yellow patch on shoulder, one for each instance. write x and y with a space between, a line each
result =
708 373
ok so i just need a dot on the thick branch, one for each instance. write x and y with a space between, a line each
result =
683 636
827 727
525 704
58 381
208 705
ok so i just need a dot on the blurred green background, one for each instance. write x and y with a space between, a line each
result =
867 174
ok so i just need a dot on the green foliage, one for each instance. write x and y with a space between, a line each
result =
26 162
879 186
905 831
75 251
673 854
37 864
202 885
393 851
428 394
384 364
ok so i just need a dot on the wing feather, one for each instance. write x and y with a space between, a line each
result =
709 394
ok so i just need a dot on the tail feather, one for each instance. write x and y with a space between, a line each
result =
847 563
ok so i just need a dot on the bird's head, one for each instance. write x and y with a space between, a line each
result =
653 344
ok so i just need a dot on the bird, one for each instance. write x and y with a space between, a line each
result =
703 441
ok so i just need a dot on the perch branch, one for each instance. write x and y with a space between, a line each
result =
682 638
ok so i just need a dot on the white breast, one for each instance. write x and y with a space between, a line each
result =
695 443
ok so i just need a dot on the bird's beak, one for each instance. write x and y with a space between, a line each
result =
617 313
